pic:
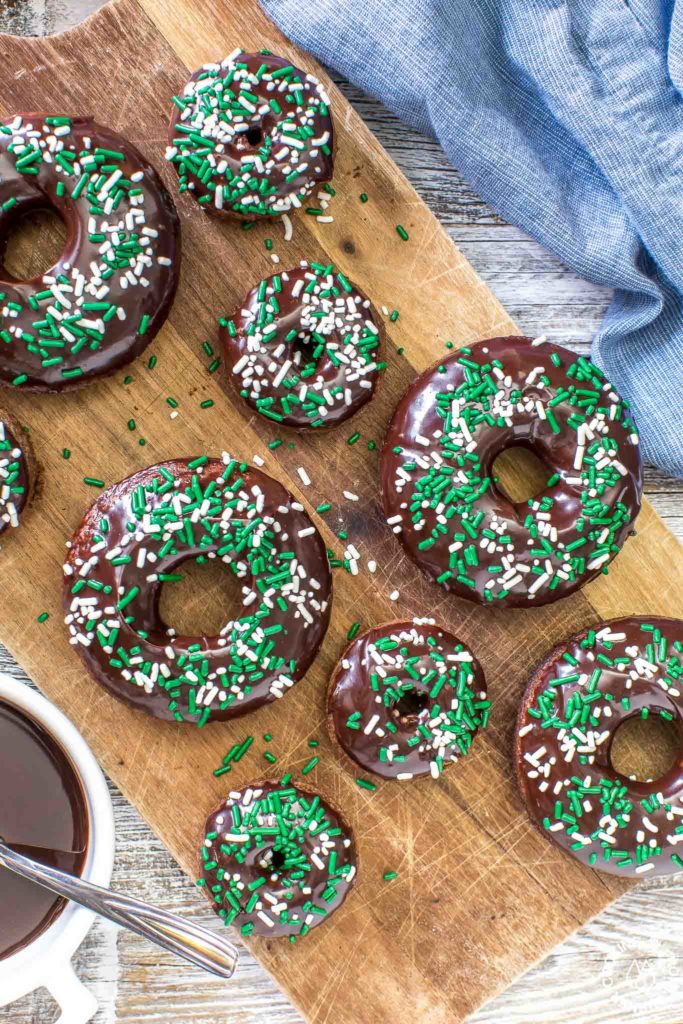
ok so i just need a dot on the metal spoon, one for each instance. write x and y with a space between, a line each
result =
190 941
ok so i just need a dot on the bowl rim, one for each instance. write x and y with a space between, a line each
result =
25 970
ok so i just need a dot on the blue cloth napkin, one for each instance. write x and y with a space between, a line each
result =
567 117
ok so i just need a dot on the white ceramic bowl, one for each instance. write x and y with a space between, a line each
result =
46 962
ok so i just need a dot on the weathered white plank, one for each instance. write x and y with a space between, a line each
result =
626 965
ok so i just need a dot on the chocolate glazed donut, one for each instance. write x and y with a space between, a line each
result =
441 498
15 475
276 860
304 347
135 537
111 289
576 700
406 700
252 136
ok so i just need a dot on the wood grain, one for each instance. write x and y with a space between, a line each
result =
493 880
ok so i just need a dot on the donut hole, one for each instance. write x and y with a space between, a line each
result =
304 352
519 474
254 135
645 749
410 705
207 596
277 860
251 138
33 244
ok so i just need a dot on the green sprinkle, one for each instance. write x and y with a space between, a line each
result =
43 617
401 232
92 481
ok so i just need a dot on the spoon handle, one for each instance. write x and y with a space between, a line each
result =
212 952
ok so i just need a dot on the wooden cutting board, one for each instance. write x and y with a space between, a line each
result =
479 895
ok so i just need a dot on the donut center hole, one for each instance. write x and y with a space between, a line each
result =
645 748
254 135
34 244
277 860
304 351
410 705
203 600
519 474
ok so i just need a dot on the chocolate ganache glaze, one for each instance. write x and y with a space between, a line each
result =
140 531
441 498
406 700
304 348
276 860
14 473
112 287
576 700
251 136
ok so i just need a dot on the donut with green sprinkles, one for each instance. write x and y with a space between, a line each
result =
111 289
15 474
305 348
577 699
406 700
251 136
276 860
136 537
442 497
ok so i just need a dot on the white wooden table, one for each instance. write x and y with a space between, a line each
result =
626 966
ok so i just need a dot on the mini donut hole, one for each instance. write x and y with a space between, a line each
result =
32 244
274 860
519 474
302 351
203 601
410 705
645 749
252 137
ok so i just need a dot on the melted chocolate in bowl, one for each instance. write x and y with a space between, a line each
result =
43 814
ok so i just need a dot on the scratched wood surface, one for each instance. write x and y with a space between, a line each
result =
456 904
